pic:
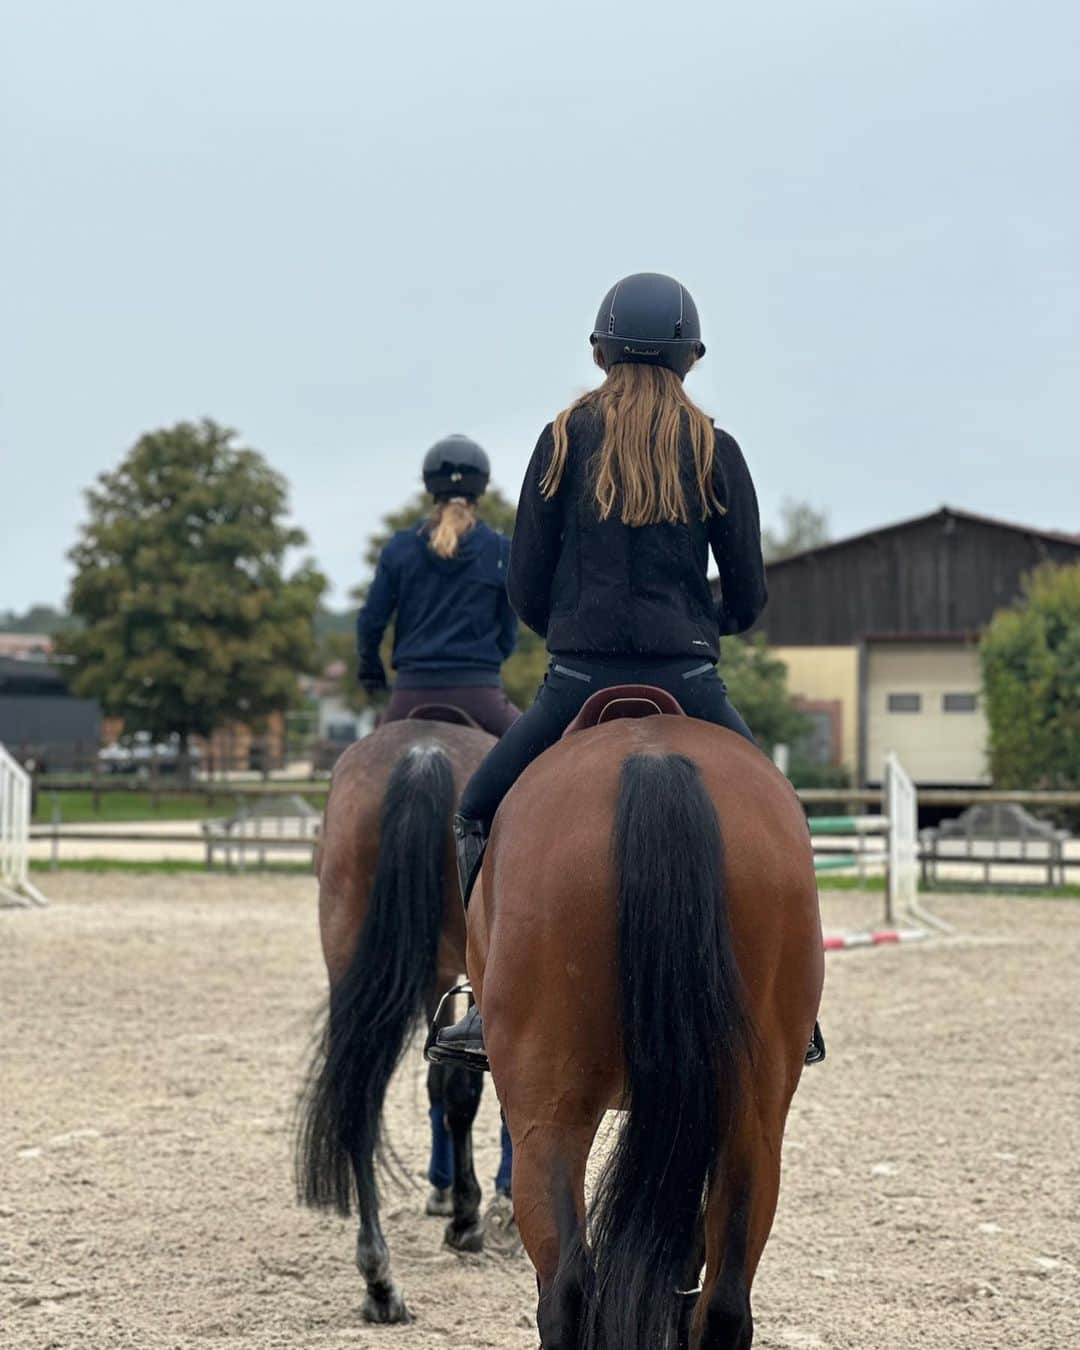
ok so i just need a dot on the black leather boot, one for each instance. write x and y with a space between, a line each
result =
815 1054
463 1043
471 840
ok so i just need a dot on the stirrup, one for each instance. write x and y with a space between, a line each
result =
437 1052
815 1053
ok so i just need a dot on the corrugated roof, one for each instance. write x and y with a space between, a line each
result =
943 513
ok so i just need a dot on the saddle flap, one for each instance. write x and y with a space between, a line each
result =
442 712
622 701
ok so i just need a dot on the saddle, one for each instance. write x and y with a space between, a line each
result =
442 712
624 700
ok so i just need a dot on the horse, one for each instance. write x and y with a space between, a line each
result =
646 936
393 940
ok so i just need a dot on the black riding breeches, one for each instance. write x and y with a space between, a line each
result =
567 685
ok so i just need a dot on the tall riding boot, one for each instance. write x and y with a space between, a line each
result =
471 840
463 1043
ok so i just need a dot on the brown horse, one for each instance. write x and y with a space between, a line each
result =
393 938
647 937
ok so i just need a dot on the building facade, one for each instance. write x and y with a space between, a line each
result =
880 636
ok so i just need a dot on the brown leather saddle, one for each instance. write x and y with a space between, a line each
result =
442 712
624 700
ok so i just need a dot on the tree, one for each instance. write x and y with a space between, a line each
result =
802 526
1030 656
37 619
189 618
757 686
524 671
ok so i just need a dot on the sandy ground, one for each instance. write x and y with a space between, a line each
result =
152 1032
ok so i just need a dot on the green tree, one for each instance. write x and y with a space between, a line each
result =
757 686
524 671
1030 656
37 619
189 617
802 526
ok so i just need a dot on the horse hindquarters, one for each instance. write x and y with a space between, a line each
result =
685 1057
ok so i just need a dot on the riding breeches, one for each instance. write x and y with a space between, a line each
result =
487 705
567 685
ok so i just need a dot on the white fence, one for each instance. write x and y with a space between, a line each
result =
15 791
900 806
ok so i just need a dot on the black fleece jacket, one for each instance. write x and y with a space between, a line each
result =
601 588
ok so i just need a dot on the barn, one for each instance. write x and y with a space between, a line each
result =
41 719
880 630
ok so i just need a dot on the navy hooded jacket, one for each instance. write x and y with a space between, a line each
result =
454 625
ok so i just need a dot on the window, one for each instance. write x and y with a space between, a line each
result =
959 703
905 703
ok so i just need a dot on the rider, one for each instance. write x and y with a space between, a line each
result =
446 581
627 491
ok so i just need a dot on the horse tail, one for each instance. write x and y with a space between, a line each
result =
376 1004
687 1038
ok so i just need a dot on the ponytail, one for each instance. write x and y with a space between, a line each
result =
448 524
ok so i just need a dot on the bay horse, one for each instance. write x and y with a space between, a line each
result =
645 935
393 940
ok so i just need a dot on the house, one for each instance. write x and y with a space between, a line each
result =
25 646
40 719
880 636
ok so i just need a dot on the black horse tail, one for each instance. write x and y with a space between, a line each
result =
376 1005
688 1040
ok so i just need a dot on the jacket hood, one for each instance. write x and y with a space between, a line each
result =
470 546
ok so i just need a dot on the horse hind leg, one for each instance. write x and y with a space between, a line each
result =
383 1303
739 1217
549 1201
691 1287
462 1090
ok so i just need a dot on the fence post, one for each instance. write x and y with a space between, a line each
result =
54 848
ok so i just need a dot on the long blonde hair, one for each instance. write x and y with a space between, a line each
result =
449 523
646 412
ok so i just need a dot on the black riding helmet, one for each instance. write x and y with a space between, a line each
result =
456 467
651 319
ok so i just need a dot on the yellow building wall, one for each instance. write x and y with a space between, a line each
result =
828 674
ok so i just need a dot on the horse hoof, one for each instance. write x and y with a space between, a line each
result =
469 1239
440 1203
387 1310
500 1226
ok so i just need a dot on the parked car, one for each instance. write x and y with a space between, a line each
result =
140 756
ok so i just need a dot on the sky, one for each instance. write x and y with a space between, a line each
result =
348 229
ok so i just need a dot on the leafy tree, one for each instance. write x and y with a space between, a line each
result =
1030 656
37 619
524 671
802 526
190 619
757 686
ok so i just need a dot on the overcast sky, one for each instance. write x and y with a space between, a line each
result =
347 229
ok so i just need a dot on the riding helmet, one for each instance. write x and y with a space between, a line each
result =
651 319
456 467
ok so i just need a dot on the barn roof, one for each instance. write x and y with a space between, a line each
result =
942 514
